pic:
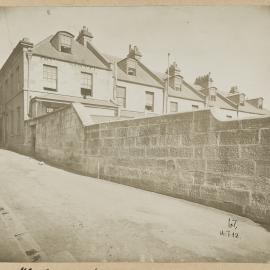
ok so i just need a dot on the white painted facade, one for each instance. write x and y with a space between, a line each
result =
68 79
184 105
136 97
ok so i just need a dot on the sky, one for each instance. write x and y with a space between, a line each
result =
231 42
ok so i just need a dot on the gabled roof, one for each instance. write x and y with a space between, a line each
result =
50 97
247 107
186 93
187 90
143 74
223 102
80 54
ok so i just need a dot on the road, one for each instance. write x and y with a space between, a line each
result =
48 214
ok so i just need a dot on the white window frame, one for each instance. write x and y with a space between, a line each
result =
86 84
173 103
148 93
131 71
49 78
120 97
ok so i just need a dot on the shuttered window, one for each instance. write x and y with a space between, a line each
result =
50 77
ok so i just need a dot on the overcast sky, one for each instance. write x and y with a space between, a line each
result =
233 43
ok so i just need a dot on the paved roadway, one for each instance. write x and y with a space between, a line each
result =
48 214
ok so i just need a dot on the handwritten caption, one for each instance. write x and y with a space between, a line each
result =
25 268
232 229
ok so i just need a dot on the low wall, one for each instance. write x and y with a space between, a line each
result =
187 155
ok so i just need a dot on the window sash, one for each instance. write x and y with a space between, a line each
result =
149 98
132 71
86 80
121 92
121 96
65 41
149 102
173 106
50 76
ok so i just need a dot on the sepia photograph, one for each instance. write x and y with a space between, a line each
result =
135 134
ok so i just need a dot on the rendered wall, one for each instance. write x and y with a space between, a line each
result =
184 105
69 79
187 155
135 97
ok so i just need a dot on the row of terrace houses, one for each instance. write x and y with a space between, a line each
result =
61 69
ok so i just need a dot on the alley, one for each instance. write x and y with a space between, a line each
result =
48 214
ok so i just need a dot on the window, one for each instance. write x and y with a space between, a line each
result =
177 83
121 96
86 84
195 107
173 107
213 98
65 45
149 102
242 99
50 77
49 109
18 120
131 71
228 116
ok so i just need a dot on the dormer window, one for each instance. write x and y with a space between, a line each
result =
65 44
130 66
212 94
62 41
177 83
131 71
242 99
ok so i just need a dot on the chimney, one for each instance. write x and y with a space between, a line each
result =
134 52
175 80
238 98
234 90
84 36
174 70
26 43
204 81
256 102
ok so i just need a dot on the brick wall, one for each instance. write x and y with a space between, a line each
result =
187 155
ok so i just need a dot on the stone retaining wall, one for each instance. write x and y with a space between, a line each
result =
187 155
